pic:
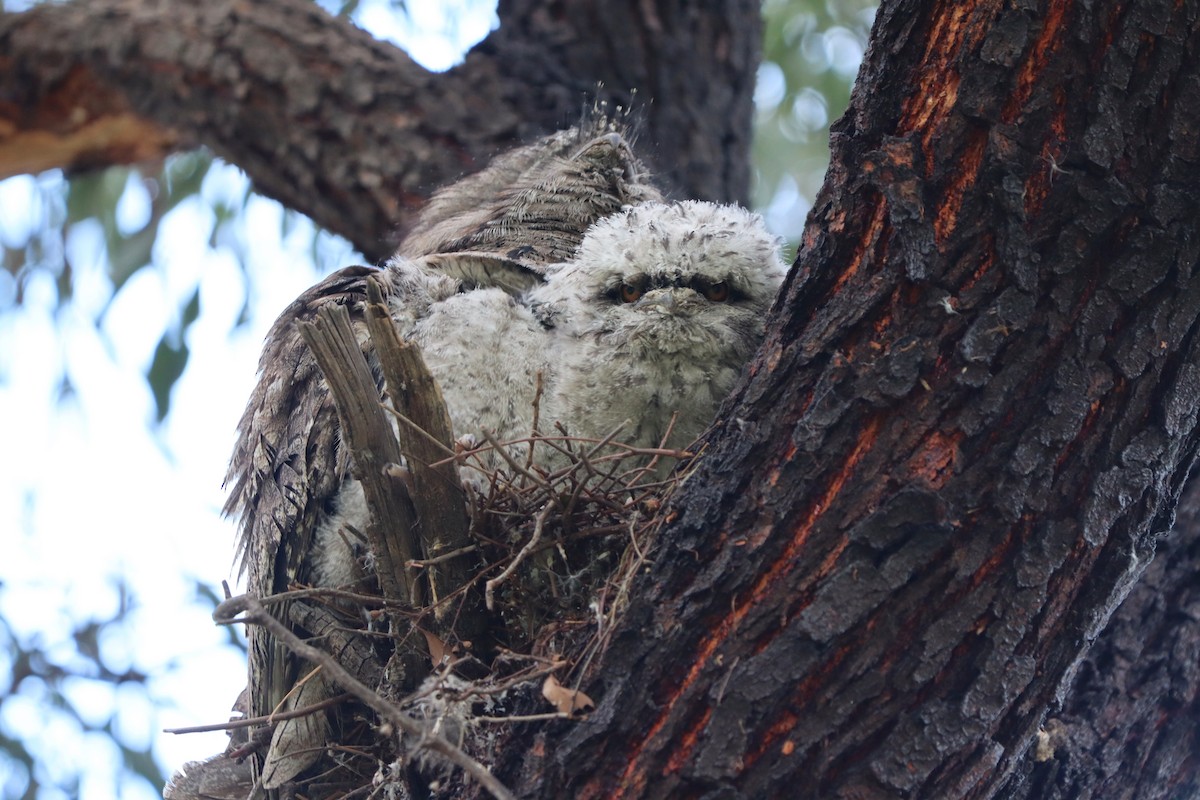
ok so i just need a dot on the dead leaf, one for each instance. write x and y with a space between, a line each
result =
437 648
567 701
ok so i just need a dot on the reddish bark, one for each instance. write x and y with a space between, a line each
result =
970 423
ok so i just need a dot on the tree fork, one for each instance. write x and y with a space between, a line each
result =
971 420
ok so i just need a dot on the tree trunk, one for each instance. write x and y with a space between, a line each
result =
349 130
1128 727
953 456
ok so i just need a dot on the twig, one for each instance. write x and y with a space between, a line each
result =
661 443
605 441
296 687
248 722
320 593
525 718
502 451
428 562
490 586
537 413
424 434
524 676
625 449
252 612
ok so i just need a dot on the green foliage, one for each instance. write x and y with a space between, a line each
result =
98 195
34 244
96 198
128 248
170 358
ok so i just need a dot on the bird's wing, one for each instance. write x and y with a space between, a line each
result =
288 461
286 470
486 270
287 467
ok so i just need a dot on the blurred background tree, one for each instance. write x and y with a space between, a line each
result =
132 306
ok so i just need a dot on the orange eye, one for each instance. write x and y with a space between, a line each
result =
717 292
630 293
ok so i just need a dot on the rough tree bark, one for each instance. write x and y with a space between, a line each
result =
1128 726
348 129
969 425
961 442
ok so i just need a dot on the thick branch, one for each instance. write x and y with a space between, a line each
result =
349 130
320 114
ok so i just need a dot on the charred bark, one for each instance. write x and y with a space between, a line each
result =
347 129
1128 726
952 459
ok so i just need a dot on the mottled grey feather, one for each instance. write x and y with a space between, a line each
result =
532 205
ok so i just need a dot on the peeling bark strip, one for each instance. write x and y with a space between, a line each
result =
955 454
347 129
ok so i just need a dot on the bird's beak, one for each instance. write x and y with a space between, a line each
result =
662 299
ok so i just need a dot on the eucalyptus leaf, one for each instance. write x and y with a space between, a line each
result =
170 359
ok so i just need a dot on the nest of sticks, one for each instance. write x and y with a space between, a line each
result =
492 598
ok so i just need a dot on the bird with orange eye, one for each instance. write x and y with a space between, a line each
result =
654 318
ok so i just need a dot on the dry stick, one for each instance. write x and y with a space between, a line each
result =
577 490
627 450
525 718
247 722
502 451
323 593
604 442
586 461
253 613
437 497
527 675
296 687
539 524
448 454
373 444
429 562
662 442
537 413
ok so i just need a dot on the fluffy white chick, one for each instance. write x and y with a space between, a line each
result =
655 318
